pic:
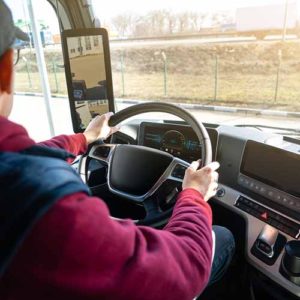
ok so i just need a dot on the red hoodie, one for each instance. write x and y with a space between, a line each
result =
76 251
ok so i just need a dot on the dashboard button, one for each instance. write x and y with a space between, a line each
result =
255 206
262 190
264 215
178 172
220 192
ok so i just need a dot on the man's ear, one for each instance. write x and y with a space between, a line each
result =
6 72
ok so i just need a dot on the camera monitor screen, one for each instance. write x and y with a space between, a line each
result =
88 73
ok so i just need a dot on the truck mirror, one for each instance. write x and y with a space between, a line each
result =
88 74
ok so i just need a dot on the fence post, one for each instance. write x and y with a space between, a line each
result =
28 73
277 75
122 73
165 72
55 75
216 76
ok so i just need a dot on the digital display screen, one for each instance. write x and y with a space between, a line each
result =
88 73
87 65
178 140
272 166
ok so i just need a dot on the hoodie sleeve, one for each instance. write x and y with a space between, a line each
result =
78 251
74 143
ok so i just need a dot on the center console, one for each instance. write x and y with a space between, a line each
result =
273 174
269 178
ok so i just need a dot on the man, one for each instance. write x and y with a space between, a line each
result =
58 242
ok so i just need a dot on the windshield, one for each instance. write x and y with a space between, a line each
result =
230 62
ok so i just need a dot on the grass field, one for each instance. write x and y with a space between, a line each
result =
241 74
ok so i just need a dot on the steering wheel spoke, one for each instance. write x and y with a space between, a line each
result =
102 152
177 170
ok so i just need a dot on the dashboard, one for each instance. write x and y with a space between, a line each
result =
259 181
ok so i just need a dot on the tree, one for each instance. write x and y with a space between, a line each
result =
157 21
123 24
183 22
171 20
197 20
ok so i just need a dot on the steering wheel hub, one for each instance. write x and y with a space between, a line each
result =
135 169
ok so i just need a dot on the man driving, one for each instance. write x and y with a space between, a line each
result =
59 242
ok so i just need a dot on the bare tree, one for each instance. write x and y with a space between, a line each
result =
220 18
157 21
171 20
183 22
123 24
197 20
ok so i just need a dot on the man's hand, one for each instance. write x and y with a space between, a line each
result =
204 180
99 128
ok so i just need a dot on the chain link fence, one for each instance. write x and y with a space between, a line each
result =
261 74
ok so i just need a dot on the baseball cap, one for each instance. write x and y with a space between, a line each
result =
8 31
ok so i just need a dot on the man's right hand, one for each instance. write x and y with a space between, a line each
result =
204 180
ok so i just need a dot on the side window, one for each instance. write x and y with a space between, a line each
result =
218 53
28 88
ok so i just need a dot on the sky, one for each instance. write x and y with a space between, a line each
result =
138 6
108 9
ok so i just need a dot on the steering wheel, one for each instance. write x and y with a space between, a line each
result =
142 174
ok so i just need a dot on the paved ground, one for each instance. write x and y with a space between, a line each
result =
30 112
89 68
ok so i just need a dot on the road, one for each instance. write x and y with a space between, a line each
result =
132 43
191 41
89 68
31 113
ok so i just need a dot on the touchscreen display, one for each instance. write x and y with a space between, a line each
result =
273 166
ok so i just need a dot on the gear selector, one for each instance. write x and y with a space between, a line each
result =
266 240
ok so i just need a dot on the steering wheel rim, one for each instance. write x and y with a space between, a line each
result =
196 125
157 216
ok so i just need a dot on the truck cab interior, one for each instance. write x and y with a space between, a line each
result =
258 197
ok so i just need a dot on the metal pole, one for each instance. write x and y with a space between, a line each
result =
165 76
216 77
122 73
41 64
55 75
277 75
165 72
28 73
285 19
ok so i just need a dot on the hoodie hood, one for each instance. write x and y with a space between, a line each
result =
13 137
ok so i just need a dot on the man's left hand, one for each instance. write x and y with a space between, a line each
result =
99 128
